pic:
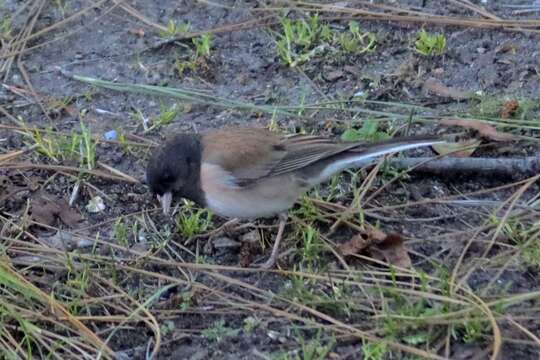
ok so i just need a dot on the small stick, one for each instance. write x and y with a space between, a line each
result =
508 167
117 172
14 154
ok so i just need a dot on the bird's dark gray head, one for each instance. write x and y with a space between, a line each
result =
174 168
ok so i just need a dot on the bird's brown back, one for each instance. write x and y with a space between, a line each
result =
249 154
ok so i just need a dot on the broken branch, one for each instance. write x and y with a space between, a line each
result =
508 167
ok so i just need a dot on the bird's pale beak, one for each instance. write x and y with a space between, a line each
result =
166 201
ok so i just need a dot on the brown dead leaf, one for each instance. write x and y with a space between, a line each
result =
456 149
45 208
509 108
485 130
356 244
436 87
69 216
43 211
389 248
361 242
393 251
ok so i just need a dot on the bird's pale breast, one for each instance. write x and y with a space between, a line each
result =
265 198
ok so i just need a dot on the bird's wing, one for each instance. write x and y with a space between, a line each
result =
304 150
250 154
247 154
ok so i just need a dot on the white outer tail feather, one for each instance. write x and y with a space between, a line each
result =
361 159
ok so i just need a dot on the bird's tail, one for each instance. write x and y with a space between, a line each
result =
394 145
364 154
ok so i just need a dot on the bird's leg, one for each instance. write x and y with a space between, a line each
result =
271 262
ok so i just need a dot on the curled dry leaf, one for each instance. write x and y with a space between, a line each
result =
95 205
43 211
390 248
393 251
485 130
435 86
361 242
464 148
68 215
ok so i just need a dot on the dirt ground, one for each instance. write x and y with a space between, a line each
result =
111 42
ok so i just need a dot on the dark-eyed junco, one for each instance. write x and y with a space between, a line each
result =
252 173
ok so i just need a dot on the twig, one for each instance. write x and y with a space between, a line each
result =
119 173
414 17
70 169
14 154
507 167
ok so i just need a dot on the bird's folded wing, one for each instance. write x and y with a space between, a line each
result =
251 154
247 154
305 150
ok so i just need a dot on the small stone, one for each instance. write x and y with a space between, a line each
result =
16 79
251 237
140 247
438 71
333 75
524 74
351 69
226 243
60 240
190 352
155 78
481 50
200 355
274 335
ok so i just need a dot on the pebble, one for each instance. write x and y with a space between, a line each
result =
225 243
251 237
333 75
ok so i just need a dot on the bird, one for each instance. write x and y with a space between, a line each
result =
250 172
